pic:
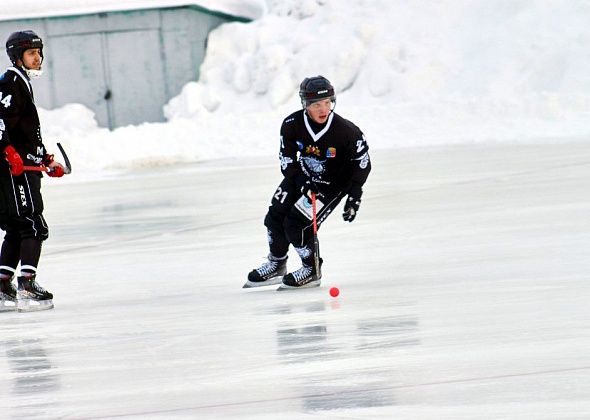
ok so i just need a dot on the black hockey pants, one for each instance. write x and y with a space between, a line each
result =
21 217
289 217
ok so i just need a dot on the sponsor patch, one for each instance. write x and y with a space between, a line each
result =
313 150
331 153
304 206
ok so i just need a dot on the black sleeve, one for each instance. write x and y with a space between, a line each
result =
361 164
11 105
288 153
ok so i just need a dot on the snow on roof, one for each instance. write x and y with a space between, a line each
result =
26 9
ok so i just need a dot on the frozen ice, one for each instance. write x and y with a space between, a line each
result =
464 279
464 290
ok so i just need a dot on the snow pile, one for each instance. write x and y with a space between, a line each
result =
409 74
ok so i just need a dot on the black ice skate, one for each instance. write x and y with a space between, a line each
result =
31 296
271 272
7 295
304 277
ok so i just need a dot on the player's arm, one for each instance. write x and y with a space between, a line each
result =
10 111
9 116
361 167
288 152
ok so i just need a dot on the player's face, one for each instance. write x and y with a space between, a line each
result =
32 59
320 111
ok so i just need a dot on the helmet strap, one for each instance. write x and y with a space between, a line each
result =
33 74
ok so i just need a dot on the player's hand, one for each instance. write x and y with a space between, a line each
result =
14 160
306 186
56 169
351 208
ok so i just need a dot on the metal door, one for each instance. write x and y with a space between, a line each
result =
78 73
136 75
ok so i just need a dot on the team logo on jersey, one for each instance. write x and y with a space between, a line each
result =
331 152
313 150
364 161
285 161
312 166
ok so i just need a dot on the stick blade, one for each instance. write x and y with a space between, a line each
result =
68 165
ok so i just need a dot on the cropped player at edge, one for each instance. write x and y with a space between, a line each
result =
23 157
320 153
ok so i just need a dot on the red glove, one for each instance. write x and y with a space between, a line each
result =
56 171
14 160
47 159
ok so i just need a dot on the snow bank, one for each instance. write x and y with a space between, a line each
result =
409 74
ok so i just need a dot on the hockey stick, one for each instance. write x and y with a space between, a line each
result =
316 243
43 168
67 166
37 168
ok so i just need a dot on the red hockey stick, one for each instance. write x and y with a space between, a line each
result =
316 243
36 168
43 168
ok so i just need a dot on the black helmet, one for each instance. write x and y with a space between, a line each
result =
313 89
18 42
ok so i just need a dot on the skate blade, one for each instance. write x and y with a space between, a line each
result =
311 284
270 282
29 305
7 306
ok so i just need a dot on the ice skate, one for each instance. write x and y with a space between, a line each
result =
31 296
271 272
304 277
7 295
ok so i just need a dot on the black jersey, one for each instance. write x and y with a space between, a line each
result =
19 121
335 154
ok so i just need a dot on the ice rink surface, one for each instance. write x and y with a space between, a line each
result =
465 284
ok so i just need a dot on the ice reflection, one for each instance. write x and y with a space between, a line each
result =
309 340
332 397
33 374
295 342
309 336
309 307
387 332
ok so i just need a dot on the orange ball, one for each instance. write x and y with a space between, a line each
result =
334 292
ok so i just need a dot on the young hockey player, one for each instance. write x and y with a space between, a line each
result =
320 152
21 204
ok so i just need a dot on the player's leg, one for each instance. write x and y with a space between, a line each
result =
300 233
33 231
9 258
275 267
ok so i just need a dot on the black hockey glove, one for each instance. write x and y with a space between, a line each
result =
306 186
351 208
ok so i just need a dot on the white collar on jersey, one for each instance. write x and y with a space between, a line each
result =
313 135
17 71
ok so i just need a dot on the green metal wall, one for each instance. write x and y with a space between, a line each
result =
123 65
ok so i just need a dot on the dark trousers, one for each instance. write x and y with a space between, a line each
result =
289 219
21 218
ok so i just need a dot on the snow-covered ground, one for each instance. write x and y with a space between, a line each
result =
464 295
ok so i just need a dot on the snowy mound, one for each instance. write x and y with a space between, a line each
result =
409 74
